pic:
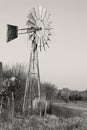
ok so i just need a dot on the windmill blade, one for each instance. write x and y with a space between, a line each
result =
46 41
30 23
47 44
50 22
40 9
31 18
43 43
12 32
40 44
46 35
34 12
49 34
48 26
48 17
48 29
44 15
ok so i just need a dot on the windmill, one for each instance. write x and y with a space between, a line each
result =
39 32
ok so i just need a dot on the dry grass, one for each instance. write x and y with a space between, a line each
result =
47 123
66 119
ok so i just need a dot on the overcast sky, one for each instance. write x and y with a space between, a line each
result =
65 62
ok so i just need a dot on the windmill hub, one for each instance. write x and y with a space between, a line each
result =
40 25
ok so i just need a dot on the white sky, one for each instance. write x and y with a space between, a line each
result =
65 62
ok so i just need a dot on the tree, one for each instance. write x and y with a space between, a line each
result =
49 90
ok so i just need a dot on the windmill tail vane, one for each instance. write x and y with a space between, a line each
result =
13 31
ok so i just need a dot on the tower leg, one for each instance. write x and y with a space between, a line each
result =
1 105
12 105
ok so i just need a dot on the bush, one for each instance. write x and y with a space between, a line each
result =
49 90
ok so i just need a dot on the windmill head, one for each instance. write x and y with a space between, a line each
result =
38 26
12 32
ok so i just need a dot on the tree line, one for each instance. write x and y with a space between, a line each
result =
72 95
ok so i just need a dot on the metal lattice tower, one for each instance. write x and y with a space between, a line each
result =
32 88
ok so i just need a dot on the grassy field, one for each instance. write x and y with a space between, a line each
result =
65 116
80 105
